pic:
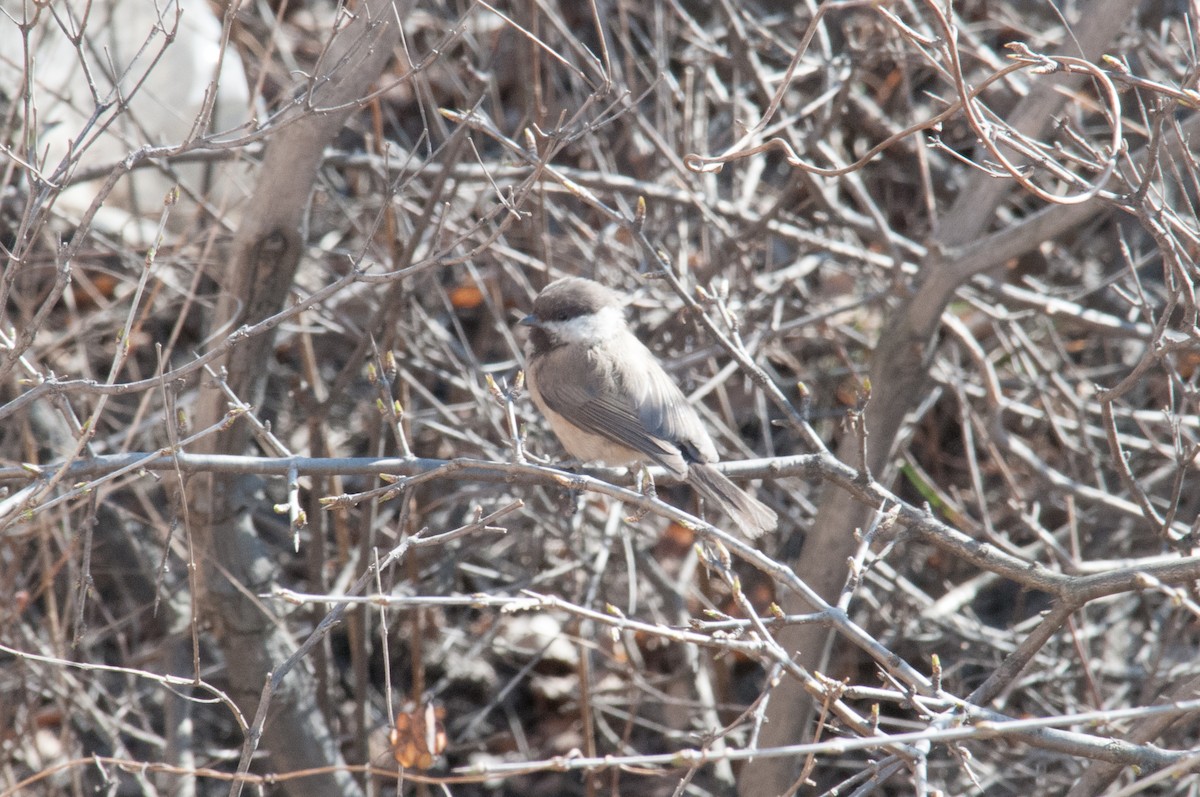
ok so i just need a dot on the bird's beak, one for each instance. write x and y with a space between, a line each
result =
530 320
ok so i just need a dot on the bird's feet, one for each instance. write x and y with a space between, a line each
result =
645 485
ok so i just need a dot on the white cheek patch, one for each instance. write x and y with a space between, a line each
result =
606 323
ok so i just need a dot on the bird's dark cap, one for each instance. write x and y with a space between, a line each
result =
568 298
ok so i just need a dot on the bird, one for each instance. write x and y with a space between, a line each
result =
608 399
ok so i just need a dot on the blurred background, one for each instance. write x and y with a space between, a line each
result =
932 268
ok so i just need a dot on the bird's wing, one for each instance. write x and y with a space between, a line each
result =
656 420
669 415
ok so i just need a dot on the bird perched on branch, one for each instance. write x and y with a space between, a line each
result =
608 399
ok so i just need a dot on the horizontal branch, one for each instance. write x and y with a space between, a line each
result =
467 469
606 481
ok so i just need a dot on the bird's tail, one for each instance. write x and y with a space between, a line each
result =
753 516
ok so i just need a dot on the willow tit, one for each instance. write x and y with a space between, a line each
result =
608 399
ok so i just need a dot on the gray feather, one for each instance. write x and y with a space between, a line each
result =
739 505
